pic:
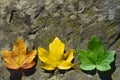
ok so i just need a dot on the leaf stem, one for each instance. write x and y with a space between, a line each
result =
23 75
98 78
56 73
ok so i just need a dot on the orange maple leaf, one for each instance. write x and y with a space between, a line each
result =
19 57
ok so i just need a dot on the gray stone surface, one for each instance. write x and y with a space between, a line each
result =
73 21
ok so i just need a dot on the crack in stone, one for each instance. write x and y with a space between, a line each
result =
34 31
11 15
116 39
69 34
39 11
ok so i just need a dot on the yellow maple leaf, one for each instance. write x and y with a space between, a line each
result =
19 57
55 57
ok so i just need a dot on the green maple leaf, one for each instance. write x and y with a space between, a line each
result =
95 56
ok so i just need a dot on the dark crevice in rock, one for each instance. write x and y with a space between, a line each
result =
27 20
69 35
33 31
94 2
11 15
115 40
39 11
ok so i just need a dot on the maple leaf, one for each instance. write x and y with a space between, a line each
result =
55 57
19 57
96 57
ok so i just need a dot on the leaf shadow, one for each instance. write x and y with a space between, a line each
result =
104 75
57 71
92 72
17 74
64 71
51 72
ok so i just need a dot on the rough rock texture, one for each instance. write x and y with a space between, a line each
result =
73 21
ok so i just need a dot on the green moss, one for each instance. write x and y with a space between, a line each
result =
89 12
1 35
98 4
58 22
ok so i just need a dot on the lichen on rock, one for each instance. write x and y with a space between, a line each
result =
73 21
